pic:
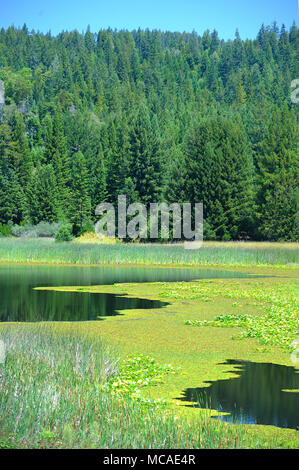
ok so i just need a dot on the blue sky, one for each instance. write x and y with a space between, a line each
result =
172 15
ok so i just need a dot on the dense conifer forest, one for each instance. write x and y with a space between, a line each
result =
158 116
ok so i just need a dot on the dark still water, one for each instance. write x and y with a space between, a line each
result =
256 397
20 302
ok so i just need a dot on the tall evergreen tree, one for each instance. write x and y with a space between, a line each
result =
219 174
44 203
279 178
99 182
80 199
60 161
146 164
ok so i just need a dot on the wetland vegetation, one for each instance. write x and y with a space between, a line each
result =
198 331
211 254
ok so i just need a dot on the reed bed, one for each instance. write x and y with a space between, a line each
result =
212 253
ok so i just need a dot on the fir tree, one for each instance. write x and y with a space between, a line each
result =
145 159
80 200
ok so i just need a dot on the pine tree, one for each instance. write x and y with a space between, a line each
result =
60 160
24 166
99 192
80 200
279 178
44 203
13 202
218 174
115 166
145 159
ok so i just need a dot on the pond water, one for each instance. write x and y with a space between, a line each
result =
257 396
20 302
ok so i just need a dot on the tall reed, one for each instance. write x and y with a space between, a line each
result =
238 254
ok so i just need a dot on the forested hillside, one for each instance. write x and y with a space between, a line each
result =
158 116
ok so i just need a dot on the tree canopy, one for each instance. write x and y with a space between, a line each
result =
159 116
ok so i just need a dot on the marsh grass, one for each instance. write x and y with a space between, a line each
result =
212 254
51 396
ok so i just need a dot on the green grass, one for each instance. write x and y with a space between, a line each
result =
212 254
59 389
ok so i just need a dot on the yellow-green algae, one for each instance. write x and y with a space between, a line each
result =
162 334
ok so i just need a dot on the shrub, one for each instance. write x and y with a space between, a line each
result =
226 237
46 229
64 233
208 232
87 227
5 230
42 229
18 231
